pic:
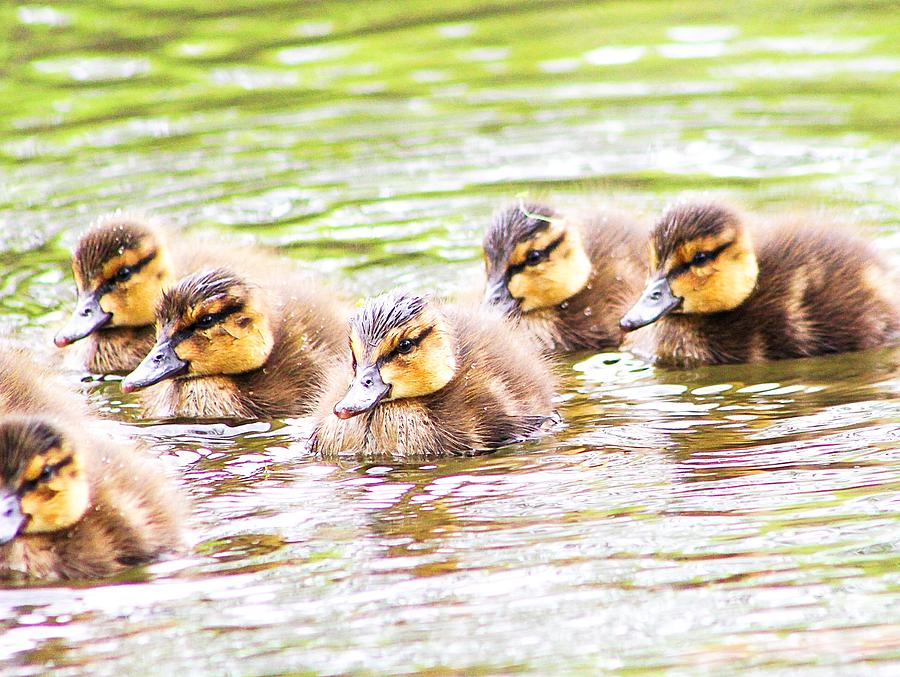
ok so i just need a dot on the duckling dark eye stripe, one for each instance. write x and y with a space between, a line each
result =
519 267
415 341
684 267
107 286
55 468
182 334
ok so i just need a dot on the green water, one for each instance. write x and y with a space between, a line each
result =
712 521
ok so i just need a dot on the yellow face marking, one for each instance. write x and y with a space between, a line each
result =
541 240
410 330
720 284
211 307
131 302
427 368
240 342
59 501
129 257
562 273
686 252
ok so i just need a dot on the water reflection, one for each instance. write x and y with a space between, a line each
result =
716 519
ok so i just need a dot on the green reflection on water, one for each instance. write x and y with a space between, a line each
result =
715 519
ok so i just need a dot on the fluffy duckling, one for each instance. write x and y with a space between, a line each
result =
566 281
719 292
121 265
74 506
425 379
228 348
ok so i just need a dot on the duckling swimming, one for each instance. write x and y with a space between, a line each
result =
228 348
121 265
719 292
566 281
76 506
425 378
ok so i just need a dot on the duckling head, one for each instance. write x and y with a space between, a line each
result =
534 259
121 267
210 323
43 483
401 346
702 261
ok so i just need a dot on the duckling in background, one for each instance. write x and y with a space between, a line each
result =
425 378
121 265
566 281
719 293
228 348
74 505
28 388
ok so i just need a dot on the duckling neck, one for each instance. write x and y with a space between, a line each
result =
686 340
114 349
196 397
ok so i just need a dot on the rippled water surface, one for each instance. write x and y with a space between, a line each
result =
706 521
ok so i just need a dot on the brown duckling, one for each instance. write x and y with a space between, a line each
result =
121 265
74 505
722 292
228 348
567 281
425 378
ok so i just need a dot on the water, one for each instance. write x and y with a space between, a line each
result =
713 521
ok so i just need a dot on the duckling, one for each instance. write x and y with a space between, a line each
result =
229 348
121 265
74 505
566 281
720 292
425 378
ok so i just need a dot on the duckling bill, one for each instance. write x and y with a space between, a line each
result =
423 379
564 280
721 292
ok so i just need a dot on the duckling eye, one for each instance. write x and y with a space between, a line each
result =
700 258
534 257
405 347
123 273
206 321
46 473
